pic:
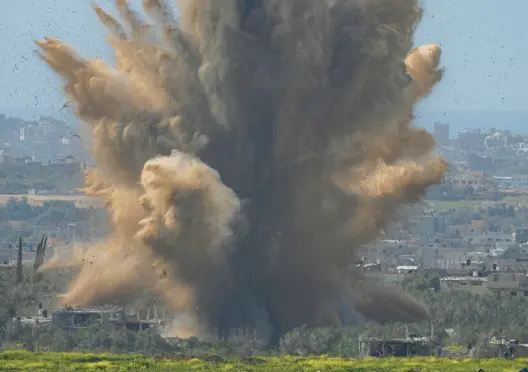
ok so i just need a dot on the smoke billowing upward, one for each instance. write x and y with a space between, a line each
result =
246 149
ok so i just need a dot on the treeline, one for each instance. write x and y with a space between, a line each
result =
462 320
51 214
449 192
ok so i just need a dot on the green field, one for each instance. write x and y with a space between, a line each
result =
26 361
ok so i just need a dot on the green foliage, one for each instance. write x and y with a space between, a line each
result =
22 299
470 319
18 178
24 361
303 341
474 317
51 214
96 338
429 281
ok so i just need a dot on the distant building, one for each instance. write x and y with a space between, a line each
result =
479 163
441 133
491 239
479 226
474 284
73 318
473 179
5 256
520 181
501 265
504 182
406 269
5 158
25 160
495 141
128 317
411 345
427 227
521 236
518 252
512 284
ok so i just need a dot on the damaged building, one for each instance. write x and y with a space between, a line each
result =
126 316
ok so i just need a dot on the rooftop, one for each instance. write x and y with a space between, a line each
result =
407 268
86 310
464 278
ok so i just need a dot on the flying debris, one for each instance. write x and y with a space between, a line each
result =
245 151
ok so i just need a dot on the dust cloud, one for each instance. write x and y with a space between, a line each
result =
246 149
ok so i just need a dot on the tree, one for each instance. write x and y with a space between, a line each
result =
19 274
39 258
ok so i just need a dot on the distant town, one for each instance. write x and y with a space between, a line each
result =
473 228
468 236
41 169
43 156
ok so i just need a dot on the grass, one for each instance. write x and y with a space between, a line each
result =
26 361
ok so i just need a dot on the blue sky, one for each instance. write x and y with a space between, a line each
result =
484 43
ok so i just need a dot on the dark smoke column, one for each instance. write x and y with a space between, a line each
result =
246 150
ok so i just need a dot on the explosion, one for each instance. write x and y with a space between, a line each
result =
246 149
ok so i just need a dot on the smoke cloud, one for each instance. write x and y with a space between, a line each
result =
246 149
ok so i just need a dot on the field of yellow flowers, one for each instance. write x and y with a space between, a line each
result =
26 361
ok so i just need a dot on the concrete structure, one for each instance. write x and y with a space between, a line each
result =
127 316
404 347
505 265
512 284
473 284
406 269
492 238
473 179
445 258
516 182
73 318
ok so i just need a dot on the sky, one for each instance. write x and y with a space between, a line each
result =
485 51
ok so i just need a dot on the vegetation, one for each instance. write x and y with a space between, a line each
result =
24 361
19 218
507 199
461 321
59 178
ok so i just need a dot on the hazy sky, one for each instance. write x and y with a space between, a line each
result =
484 43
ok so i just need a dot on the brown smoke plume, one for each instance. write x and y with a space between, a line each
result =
246 150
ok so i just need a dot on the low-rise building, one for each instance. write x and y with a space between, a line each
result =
406 269
512 284
128 317
471 179
501 265
474 284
